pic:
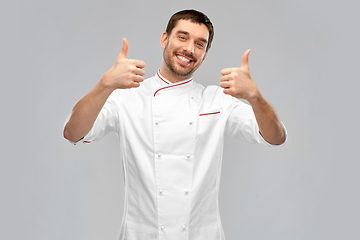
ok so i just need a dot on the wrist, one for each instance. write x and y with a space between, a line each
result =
106 83
255 97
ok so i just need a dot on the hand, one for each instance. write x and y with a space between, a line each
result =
125 73
237 82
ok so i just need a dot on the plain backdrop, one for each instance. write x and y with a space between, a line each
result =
305 60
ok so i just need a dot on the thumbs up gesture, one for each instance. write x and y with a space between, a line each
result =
237 82
125 73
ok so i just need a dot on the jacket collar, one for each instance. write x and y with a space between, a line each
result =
163 84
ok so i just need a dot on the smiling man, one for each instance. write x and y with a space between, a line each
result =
171 131
184 50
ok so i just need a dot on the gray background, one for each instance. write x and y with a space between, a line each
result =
304 58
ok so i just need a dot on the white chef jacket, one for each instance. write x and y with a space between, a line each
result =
171 139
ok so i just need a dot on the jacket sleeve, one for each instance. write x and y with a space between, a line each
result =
241 123
107 121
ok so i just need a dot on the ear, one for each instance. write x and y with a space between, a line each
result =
163 40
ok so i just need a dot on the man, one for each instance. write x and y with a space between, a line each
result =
171 131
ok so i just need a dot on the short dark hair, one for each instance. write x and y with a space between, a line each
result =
195 17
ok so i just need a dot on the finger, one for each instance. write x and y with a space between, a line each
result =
245 59
139 71
225 85
225 78
134 85
137 78
227 91
139 63
226 71
124 49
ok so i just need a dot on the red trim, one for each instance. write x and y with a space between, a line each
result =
208 113
162 78
86 141
172 86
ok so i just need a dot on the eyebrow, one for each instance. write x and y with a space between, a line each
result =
187 33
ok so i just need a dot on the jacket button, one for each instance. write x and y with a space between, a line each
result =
162 228
159 155
186 192
183 227
161 192
190 123
188 156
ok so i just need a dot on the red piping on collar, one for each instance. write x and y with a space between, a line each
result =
172 86
162 78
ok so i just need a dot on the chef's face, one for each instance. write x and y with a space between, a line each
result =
185 48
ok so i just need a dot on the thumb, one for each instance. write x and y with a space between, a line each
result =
245 59
124 49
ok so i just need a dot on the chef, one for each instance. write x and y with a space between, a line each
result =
171 131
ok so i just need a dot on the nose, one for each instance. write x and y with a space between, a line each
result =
189 47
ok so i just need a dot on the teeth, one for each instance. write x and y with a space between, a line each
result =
183 59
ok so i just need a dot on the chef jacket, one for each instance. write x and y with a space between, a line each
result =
171 139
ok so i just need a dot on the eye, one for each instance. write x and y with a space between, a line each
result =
182 38
200 45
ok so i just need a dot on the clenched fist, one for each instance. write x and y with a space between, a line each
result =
125 73
237 82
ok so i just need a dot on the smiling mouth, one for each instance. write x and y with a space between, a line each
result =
184 59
